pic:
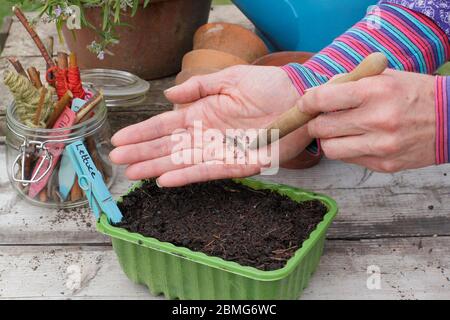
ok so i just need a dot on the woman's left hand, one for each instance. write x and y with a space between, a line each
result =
385 123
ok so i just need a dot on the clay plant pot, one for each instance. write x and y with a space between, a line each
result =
208 58
230 38
152 43
305 159
282 58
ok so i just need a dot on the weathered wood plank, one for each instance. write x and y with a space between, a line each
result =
412 268
331 174
4 31
373 209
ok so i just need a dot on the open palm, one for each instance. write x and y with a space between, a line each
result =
241 97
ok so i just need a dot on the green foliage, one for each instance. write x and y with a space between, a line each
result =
56 11
59 11
444 70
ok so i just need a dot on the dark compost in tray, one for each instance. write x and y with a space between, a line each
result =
257 228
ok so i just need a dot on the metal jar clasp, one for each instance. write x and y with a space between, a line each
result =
45 157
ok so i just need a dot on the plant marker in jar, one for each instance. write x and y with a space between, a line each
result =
91 181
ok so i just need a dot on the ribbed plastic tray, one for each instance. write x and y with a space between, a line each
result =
179 272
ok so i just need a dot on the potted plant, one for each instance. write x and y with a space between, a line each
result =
242 239
145 37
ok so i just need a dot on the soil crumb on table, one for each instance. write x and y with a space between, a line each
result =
257 228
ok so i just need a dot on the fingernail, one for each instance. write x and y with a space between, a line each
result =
113 140
170 89
157 183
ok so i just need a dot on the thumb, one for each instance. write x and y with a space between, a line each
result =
197 87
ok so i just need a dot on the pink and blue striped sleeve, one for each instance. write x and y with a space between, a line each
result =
442 120
410 40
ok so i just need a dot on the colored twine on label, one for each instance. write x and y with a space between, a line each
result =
67 79
74 82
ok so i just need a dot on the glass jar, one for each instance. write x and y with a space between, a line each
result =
38 168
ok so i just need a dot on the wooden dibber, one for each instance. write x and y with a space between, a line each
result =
291 120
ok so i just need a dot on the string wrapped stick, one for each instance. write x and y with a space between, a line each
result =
17 66
74 78
27 99
61 70
19 14
36 81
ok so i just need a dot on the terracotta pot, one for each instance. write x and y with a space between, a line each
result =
231 38
305 159
208 58
153 44
189 73
278 59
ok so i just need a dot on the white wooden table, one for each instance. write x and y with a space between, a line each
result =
398 224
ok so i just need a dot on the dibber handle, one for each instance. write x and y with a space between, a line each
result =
292 119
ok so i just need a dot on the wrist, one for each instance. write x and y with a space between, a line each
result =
442 105
302 77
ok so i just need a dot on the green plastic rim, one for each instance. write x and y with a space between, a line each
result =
293 193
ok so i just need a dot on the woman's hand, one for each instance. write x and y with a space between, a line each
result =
385 123
241 97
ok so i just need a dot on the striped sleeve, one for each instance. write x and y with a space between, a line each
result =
442 120
437 10
410 40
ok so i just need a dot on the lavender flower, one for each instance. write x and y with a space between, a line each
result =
101 55
58 11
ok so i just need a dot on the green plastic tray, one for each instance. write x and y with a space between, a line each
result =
181 273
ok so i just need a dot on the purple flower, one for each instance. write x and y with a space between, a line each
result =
101 55
58 11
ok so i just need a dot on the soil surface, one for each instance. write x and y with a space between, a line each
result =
261 229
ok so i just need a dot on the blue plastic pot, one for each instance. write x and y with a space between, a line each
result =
303 25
